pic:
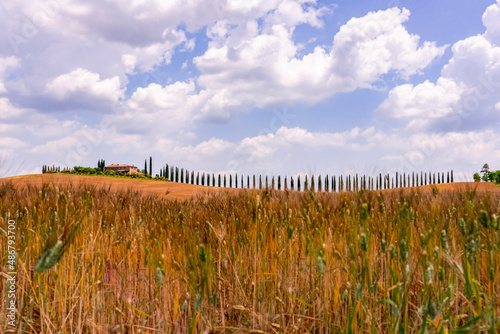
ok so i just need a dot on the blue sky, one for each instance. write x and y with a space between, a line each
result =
272 87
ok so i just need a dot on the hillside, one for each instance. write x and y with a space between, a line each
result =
173 190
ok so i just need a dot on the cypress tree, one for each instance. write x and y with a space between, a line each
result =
291 183
254 181
286 185
182 175
306 184
248 181
151 166
319 183
451 176
145 166
236 180
241 181
218 181
334 183
298 183
279 182
224 180
260 182
267 185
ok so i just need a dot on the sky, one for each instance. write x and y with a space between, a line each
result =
275 87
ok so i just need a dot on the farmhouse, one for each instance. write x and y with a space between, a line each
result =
121 169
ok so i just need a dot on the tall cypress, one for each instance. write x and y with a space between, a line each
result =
279 182
151 166
291 183
218 181
298 183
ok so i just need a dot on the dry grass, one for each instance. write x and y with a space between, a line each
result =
98 260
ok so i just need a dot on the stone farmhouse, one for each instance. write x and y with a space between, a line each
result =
121 169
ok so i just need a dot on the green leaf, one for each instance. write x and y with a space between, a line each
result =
465 327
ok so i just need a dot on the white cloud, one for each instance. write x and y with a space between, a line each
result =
491 20
158 110
11 142
465 94
373 45
292 13
265 146
263 68
145 58
81 81
7 110
7 64
426 100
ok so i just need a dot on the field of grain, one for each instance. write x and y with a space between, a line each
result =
105 258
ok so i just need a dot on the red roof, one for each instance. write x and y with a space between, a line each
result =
112 165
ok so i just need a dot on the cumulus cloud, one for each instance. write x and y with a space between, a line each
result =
81 81
491 20
264 68
158 109
426 100
372 45
465 94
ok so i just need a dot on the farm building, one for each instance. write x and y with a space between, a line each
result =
121 169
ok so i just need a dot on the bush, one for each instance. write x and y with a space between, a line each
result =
476 177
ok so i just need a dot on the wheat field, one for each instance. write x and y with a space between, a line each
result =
92 260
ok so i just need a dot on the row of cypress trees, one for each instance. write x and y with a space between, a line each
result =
314 183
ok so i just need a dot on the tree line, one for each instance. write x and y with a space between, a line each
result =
314 183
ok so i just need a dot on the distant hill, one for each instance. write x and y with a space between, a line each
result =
181 191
